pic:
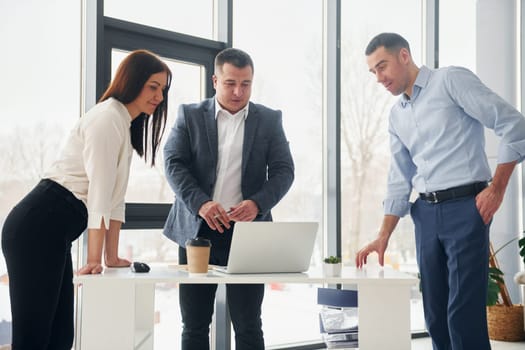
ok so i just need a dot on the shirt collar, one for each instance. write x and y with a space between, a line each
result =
218 109
422 79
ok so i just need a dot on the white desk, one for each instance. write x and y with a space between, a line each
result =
117 307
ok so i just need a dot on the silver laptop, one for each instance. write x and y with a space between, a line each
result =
271 247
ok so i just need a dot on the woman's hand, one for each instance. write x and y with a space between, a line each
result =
117 262
91 269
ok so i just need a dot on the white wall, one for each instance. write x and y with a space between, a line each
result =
497 66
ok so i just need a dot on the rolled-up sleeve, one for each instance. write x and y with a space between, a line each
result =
399 185
491 110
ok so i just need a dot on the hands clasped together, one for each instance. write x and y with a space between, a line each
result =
219 219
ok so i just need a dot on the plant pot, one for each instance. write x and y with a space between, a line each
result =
332 270
505 322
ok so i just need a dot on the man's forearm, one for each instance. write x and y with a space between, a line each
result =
388 226
502 175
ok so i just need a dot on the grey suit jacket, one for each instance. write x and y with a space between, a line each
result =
190 157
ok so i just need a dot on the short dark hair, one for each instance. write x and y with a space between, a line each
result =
392 42
132 73
236 57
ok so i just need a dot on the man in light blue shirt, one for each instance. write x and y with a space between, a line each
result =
438 149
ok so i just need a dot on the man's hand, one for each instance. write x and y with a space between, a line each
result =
215 216
378 245
488 202
246 210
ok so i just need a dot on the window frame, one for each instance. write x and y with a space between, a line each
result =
114 33
128 36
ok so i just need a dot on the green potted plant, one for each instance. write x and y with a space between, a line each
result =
505 319
332 266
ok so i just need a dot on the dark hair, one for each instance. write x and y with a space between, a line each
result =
238 58
132 73
390 41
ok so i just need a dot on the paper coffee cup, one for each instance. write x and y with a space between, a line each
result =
198 254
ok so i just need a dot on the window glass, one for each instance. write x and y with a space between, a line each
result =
182 16
147 184
40 98
457 47
288 77
365 154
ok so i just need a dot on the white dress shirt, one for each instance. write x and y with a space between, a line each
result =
230 131
94 163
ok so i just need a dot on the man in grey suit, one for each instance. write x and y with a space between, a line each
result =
227 160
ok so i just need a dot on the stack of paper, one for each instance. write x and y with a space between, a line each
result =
338 317
339 327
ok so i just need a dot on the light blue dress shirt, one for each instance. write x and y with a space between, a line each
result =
437 137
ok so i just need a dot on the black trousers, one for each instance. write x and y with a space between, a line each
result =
197 302
36 242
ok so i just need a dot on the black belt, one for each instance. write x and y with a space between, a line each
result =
454 192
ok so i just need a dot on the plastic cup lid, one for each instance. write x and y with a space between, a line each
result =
198 242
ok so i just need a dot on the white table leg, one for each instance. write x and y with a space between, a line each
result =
384 316
116 315
144 316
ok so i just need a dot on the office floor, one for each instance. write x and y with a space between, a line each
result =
425 344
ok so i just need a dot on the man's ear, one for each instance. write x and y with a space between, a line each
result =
404 55
214 79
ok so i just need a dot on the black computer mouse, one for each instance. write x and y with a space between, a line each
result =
139 267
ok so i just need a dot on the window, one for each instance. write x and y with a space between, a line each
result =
149 196
147 184
41 97
40 94
288 77
457 47
522 86
365 154
188 17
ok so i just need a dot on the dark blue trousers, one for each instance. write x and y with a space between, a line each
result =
36 242
452 245
197 302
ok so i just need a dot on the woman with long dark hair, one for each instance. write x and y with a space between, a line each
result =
85 187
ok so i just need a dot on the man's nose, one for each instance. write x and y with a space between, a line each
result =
379 77
238 90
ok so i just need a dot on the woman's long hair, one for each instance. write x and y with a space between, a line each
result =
132 74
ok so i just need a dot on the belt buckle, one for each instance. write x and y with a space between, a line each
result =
434 199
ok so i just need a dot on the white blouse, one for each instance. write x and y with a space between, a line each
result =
94 163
